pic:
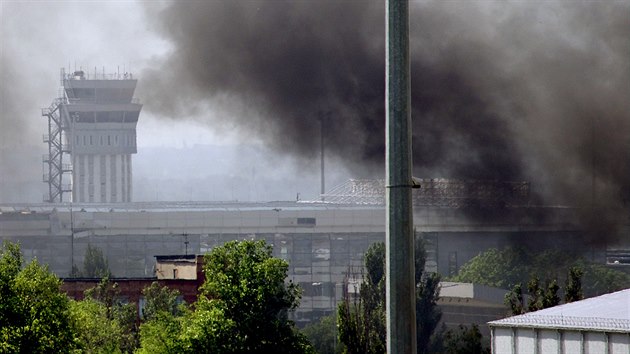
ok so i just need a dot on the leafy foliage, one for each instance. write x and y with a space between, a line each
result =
161 334
323 335
428 314
94 263
465 340
243 307
539 297
117 314
510 266
245 282
362 320
96 332
159 299
573 287
515 300
500 269
34 314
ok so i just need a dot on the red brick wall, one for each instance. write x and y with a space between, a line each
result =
131 288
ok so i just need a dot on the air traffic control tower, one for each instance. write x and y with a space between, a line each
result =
91 136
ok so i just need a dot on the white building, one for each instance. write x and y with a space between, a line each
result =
597 325
466 303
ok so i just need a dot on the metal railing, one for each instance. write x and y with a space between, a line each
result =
86 75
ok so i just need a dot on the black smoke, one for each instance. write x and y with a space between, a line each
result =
533 91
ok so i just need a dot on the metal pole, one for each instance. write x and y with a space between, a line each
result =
321 144
399 244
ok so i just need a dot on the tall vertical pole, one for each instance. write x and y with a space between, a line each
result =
321 144
400 286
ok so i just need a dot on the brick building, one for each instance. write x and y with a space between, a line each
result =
180 272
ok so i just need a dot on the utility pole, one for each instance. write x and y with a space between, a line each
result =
399 242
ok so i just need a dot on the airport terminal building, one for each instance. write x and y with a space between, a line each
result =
320 240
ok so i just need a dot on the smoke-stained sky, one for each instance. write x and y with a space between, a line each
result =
518 90
532 90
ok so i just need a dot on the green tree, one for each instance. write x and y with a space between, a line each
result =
118 314
539 298
323 335
161 330
159 299
551 297
573 287
599 279
428 314
96 332
465 340
515 300
34 313
501 269
243 307
162 334
510 266
536 295
94 263
362 319
247 284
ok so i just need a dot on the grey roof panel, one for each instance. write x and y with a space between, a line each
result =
609 312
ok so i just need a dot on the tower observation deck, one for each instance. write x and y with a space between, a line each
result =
96 119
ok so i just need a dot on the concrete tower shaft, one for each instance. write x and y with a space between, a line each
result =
100 116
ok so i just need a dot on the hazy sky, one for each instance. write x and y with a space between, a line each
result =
505 90
40 37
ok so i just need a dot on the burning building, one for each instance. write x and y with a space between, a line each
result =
93 124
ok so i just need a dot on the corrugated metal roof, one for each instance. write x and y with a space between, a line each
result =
610 312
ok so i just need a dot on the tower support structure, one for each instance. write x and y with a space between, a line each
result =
54 166
95 123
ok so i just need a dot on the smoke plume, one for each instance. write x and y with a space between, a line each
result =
516 90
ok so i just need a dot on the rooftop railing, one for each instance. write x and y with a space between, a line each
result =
85 75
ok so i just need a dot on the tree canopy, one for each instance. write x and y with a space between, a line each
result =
242 307
159 299
512 265
34 313
323 335
464 340
94 263
362 319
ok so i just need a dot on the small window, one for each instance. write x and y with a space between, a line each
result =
306 221
175 273
109 140
91 143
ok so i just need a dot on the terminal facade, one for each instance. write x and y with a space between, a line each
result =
321 241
